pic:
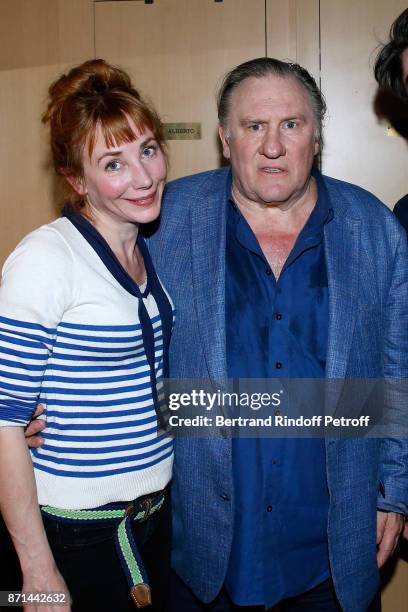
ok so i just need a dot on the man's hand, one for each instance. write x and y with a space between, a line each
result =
34 427
389 528
405 532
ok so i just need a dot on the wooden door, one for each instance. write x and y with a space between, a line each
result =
38 40
292 32
359 147
177 52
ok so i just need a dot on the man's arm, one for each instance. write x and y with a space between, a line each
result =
393 468
34 428
21 513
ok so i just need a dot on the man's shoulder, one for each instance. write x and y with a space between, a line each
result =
351 202
211 180
354 198
357 201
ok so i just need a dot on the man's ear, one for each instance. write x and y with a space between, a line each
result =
77 184
224 141
316 147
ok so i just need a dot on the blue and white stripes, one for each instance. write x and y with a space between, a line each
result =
102 441
24 351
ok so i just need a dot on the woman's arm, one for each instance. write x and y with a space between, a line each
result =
35 290
21 513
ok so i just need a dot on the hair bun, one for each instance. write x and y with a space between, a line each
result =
94 77
98 85
102 76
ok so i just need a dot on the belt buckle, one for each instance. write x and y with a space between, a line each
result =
129 510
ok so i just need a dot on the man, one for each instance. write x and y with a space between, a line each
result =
278 271
391 72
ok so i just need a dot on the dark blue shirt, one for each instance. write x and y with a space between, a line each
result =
277 328
401 211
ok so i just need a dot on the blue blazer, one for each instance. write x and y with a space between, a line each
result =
367 266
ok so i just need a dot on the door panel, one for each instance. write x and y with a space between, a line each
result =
359 148
38 41
292 32
177 52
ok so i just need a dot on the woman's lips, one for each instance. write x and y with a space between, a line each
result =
145 201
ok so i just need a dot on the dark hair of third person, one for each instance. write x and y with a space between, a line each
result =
388 68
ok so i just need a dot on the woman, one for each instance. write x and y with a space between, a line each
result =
85 327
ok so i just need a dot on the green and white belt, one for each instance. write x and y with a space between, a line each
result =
126 547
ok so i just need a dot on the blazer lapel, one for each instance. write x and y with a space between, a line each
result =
342 247
208 228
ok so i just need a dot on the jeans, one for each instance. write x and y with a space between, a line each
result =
322 598
87 559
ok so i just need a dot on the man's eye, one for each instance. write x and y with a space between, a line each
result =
113 165
255 127
291 124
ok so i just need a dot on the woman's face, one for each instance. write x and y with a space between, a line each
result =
124 184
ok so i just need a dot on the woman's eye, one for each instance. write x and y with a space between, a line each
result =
113 165
149 151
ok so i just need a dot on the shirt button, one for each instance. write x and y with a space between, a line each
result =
268 271
225 496
278 316
269 509
278 365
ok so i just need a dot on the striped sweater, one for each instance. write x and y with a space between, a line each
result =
70 337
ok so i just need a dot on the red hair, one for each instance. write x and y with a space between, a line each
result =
93 94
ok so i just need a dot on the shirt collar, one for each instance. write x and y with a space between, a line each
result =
321 214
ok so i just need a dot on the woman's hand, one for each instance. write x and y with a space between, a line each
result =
21 514
47 583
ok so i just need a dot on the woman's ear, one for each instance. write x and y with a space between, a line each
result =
77 184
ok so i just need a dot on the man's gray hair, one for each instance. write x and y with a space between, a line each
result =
263 67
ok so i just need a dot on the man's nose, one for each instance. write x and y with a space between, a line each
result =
272 144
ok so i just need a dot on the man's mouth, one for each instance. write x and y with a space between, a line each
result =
272 170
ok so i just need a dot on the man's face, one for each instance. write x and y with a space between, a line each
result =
270 141
404 63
